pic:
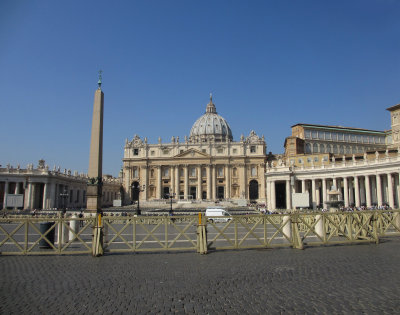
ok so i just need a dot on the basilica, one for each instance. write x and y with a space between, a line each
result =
208 165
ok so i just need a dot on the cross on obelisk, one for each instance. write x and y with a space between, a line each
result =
95 173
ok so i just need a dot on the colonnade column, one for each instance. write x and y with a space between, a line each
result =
172 181
199 192
367 191
186 182
29 204
177 181
5 194
362 191
303 186
314 204
228 182
357 191
273 196
390 190
378 189
44 205
351 193
159 183
324 192
288 195
346 191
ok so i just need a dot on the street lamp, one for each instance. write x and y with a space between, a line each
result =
137 189
64 195
171 196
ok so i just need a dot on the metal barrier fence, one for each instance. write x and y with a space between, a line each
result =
72 235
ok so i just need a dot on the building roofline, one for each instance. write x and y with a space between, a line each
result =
339 128
394 107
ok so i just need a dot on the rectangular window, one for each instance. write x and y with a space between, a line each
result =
307 134
316 159
346 137
220 151
152 152
135 151
320 135
309 160
192 172
220 172
359 138
135 172
253 149
166 172
165 152
340 136
234 151
353 138
314 134
328 136
300 161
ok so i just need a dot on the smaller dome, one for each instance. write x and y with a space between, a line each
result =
210 126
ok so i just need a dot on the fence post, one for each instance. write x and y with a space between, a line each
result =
296 239
375 233
202 235
97 245
320 226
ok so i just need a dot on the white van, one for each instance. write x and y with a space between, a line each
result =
218 215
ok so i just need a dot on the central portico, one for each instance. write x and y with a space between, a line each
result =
207 165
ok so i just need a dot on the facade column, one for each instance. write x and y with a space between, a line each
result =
214 183
346 191
186 182
357 191
314 203
273 195
288 195
379 190
16 188
199 192
209 182
324 193
367 191
159 182
244 182
390 190
228 181
145 171
261 177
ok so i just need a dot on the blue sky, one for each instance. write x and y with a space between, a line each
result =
269 65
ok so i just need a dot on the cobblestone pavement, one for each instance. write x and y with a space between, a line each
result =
358 279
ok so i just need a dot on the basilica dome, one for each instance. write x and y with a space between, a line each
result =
210 126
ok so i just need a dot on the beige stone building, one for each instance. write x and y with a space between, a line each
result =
208 165
43 188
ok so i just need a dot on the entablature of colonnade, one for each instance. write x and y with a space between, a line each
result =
337 169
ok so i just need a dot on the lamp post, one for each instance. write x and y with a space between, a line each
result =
171 196
137 189
64 195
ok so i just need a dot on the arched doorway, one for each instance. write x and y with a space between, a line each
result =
253 190
220 192
135 191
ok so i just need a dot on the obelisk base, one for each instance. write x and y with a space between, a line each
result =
93 195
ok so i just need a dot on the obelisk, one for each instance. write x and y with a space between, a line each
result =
95 173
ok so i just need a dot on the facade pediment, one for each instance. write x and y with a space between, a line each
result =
192 153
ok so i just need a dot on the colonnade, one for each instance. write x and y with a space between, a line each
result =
357 189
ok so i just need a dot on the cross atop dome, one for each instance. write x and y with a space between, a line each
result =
210 106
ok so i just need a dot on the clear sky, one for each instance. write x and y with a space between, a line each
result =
269 65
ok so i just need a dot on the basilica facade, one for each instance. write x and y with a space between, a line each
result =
208 165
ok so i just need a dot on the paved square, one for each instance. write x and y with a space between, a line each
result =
358 279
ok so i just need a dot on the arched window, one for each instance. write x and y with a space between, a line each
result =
341 149
322 148
308 148
315 148
335 149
